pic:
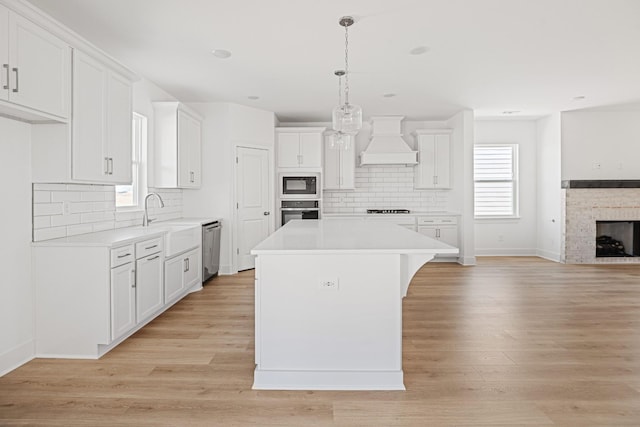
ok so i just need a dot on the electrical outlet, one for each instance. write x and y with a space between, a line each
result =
329 284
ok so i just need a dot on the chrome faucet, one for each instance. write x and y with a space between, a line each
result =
145 219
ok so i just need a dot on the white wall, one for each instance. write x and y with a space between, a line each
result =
224 127
549 206
610 139
511 236
16 291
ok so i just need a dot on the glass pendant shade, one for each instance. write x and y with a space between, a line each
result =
347 118
339 141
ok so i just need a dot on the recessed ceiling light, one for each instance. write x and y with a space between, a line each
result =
419 50
510 112
253 97
221 53
579 98
389 95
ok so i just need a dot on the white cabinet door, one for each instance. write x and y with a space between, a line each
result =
331 166
149 292
434 169
40 68
189 150
449 235
428 231
443 161
310 150
90 161
195 154
288 150
348 165
123 300
4 53
192 275
174 269
119 116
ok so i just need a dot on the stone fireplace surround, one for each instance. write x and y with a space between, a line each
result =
584 203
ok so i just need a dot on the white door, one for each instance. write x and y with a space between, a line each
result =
149 292
174 270
288 150
184 141
443 161
4 53
123 300
192 275
90 159
195 154
311 150
119 118
40 68
254 207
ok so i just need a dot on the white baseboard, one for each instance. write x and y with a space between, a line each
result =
225 270
327 380
506 252
467 261
16 357
551 256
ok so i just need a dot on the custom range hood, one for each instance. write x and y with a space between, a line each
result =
387 146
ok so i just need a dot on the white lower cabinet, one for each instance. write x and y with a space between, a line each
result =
89 298
444 229
181 273
149 289
123 299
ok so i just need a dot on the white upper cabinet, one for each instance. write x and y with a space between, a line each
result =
36 67
178 138
299 148
339 165
101 123
434 168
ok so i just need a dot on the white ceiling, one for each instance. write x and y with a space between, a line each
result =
533 56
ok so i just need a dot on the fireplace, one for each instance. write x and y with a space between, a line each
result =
617 239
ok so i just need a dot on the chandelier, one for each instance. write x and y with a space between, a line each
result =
347 118
339 139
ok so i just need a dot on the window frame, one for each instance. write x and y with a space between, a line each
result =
139 129
515 181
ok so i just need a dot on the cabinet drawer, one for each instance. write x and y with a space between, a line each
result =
148 247
121 256
441 220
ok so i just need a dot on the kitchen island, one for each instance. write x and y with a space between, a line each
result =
328 303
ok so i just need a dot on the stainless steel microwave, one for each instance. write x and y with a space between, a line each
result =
299 186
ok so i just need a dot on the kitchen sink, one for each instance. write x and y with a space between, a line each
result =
179 238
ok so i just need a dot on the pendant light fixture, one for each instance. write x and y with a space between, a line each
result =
347 118
338 139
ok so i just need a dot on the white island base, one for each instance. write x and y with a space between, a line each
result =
329 304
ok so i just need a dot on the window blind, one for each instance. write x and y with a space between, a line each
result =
494 177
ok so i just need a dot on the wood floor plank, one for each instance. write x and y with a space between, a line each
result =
509 342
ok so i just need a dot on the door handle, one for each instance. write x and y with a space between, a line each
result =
110 165
106 166
6 67
266 213
133 278
17 88
184 261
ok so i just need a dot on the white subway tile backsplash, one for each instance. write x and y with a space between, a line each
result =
40 209
41 196
91 208
384 187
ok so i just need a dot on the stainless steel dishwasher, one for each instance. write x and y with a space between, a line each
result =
210 249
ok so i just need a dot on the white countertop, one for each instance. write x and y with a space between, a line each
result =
121 236
348 236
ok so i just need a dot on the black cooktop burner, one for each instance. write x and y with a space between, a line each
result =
388 211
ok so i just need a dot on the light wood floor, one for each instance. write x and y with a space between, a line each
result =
510 342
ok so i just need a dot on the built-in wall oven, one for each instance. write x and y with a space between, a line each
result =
298 209
299 186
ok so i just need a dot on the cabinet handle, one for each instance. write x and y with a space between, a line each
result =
106 166
151 247
6 67
17 88
133 278
184 261
188 264
110 165
438 232
435 179
125 255
155 257
193 177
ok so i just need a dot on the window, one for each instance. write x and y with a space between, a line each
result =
495 174
130 196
